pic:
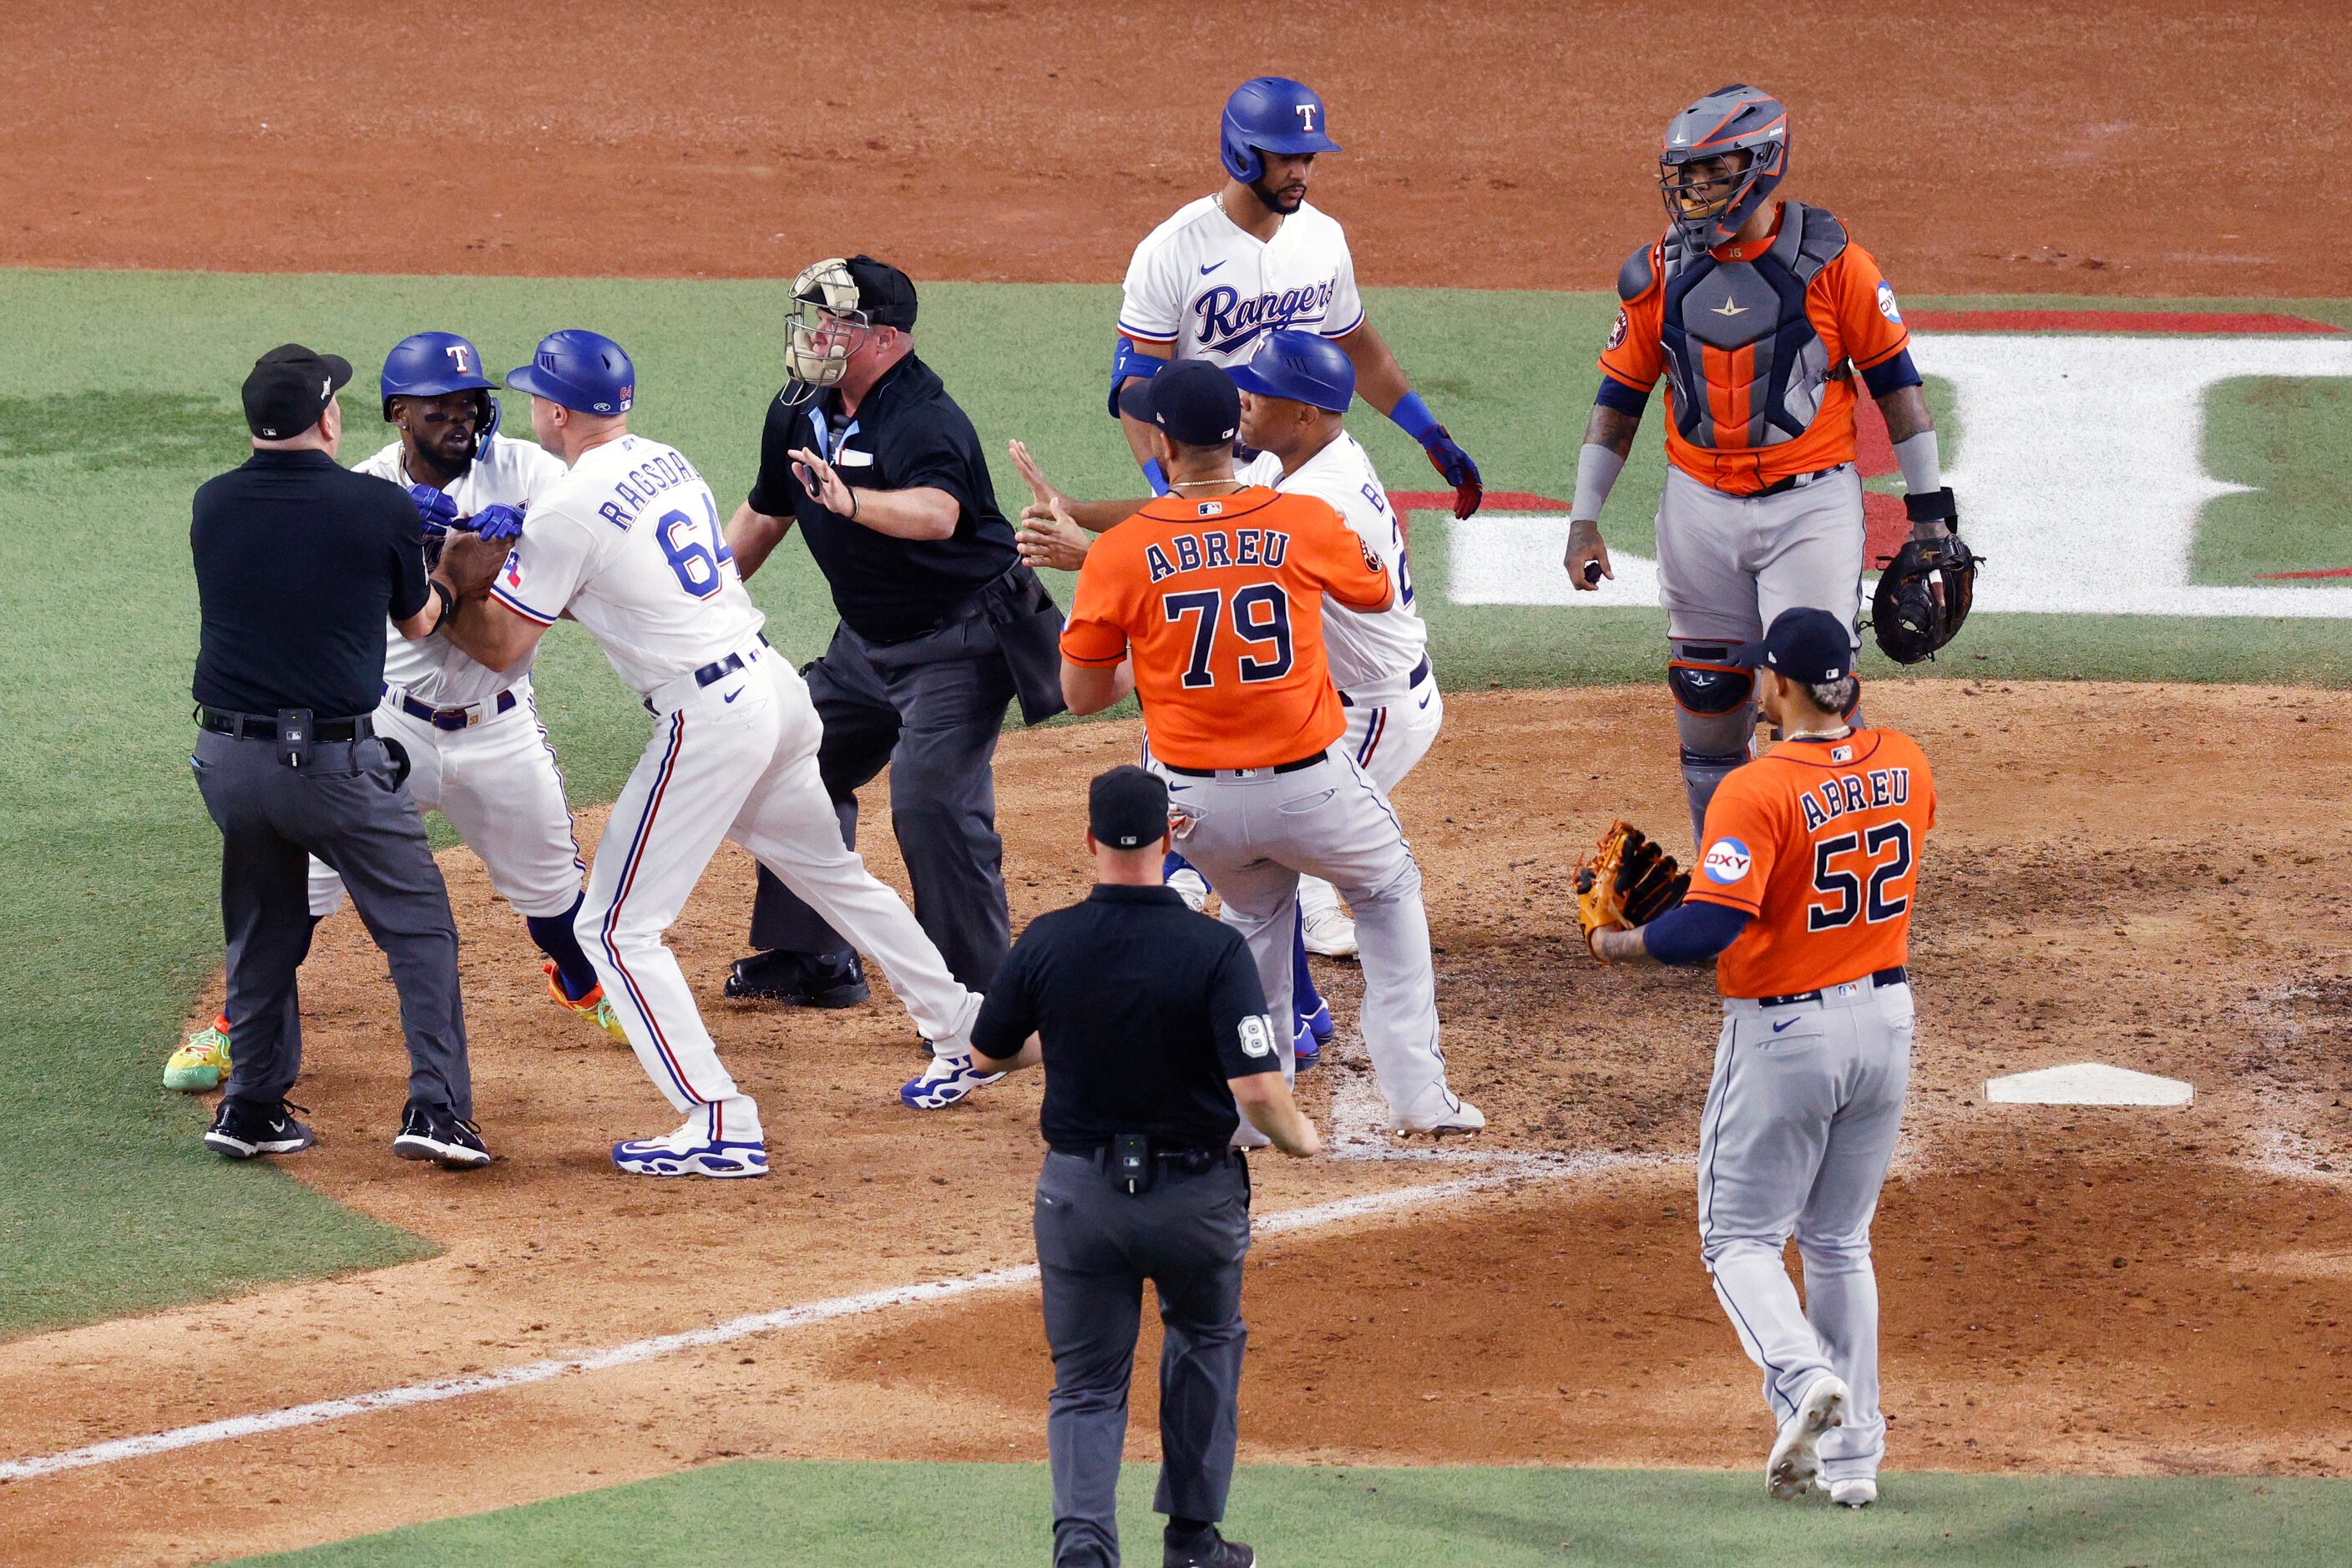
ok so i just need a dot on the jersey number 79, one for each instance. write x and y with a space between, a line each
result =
1260 614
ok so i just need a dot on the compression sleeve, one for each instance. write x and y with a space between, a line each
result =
1690 932
1597 467
1923 468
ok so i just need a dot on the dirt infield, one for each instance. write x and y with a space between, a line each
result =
2133 148
2140 1291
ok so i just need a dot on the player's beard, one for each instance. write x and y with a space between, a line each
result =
1277 199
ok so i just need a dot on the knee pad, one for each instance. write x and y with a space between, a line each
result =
1705 685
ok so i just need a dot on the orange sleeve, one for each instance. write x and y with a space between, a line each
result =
1348 570
1742 841
1869 321
1635 355
1096 633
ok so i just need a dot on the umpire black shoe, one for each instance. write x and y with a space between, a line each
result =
242 1128
798 980
1210 1551
435 1133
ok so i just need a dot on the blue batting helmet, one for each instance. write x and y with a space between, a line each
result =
1303 367
428 365
1274 113
579 369
1728 120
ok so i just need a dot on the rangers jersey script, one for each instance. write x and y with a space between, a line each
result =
1372 654
433 669
1202 284
630 542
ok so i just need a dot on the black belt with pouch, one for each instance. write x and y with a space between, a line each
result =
1133 1162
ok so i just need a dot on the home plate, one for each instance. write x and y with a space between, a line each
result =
2086 1083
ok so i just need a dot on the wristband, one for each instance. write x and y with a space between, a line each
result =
448 597
1923 468
1155 476
1597 467
1412 416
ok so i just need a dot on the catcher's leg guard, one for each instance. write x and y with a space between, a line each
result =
1715 715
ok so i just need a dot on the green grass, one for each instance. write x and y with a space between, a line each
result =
120 397
754 1513
2284 436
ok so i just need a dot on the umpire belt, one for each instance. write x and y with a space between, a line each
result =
263 726
1879 980
1175 1161
460 718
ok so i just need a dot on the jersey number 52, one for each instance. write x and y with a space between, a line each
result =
1859 890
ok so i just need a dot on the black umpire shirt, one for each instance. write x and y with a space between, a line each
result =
298 563
1144 1009
908 432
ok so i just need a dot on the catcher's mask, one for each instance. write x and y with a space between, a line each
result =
1724 157
825 326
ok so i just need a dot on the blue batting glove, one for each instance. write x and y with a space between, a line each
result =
435 509
496 523
1446 456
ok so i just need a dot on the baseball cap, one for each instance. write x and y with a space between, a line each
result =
1127 808
886 294
288 389
1193 401
1804 645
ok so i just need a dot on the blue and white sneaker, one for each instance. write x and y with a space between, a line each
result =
1306 1050
691 1150
944 1082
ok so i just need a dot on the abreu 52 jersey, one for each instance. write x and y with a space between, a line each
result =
630 542
1211 288
1819 841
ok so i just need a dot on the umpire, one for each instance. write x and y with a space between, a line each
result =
941 624
1155 1037
298 563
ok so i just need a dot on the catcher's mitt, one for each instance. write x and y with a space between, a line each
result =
1925 589
1626 881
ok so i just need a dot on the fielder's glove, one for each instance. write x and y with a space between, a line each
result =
1926 587
1626 881
1446 456
496 523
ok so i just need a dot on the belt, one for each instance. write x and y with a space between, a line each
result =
710 674
1421 672
1300 766
1879 979
464 718
1190 1161
263 726
1794 481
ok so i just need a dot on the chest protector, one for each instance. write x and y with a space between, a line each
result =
1747 366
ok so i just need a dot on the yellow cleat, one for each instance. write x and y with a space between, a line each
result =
593 1006
202 1063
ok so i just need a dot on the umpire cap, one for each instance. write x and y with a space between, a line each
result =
288 389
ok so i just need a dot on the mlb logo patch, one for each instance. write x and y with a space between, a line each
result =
1209 509
1841 754
1726 861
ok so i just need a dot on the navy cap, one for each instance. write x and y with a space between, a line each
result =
288 389
1806 645
1193 401
1127 808
886 294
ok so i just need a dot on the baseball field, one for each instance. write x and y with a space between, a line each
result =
2112 1335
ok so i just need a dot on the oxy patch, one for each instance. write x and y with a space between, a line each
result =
1726 861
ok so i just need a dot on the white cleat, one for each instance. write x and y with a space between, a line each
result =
1190 886
1436 1112
1331 935
1854 1491
1796 1459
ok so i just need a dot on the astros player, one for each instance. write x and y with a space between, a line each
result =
475 746
1208 603
1759 314
1806 889
628 544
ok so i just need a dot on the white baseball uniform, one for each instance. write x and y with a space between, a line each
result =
630 543
475 747
1210 288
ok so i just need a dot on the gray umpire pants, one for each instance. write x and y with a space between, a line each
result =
1096 1244
931 710
348 807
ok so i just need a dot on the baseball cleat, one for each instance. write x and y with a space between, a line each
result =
798 979
435 1132
1213 1551
1436 1112
1854 1491
1190 886
946 1080
1306 1050
593 1006
242 1128
691 1150
1796 1458
202 1061
1329 933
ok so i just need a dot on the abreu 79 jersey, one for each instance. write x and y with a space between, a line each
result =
1220 603
1819 841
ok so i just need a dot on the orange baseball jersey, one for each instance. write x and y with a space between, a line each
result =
1221 601
1820 842
1755 395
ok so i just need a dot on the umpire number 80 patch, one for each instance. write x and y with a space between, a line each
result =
1257 1035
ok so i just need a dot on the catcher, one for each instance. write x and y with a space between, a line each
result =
1759 315
1805 892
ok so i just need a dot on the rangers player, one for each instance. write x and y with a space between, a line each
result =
1208 603
1759 314
475 746
628 544
1806 891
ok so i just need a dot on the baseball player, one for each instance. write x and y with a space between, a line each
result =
1805 889
629 544
1208 603
1759 314
475 746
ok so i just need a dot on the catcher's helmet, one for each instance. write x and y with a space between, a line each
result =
1728 120
428 365
1303 367
1275 113
580 370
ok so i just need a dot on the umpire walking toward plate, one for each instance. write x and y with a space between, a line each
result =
1805 889
298 564
1155 1037
941 626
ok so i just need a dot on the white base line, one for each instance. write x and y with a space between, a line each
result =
233 1427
